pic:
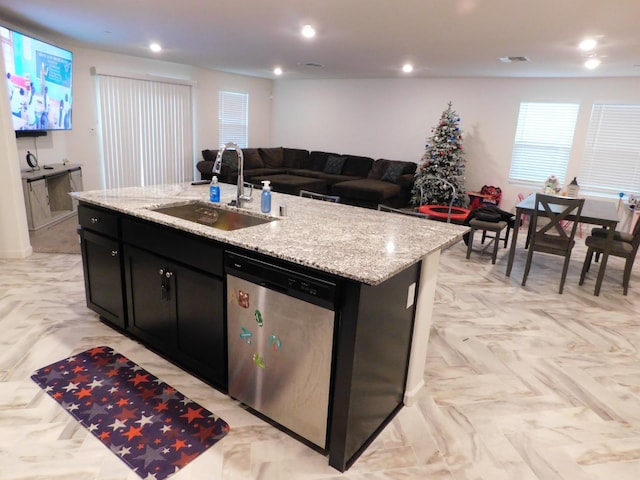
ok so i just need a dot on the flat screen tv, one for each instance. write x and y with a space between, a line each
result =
39 81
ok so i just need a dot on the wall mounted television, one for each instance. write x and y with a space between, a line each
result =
40 83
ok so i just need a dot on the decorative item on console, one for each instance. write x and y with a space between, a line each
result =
551 186
573 189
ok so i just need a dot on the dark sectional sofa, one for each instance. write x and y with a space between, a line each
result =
357 180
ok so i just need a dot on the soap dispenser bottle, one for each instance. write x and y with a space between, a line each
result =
214 190
265 199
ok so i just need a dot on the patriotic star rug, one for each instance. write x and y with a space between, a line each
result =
151 426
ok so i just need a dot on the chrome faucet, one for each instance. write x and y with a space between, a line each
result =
217 166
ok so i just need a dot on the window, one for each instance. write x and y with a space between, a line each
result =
544 137
612 152
233 115
146 131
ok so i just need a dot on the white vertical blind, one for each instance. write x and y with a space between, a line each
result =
611 161
233 116
146 131
544 137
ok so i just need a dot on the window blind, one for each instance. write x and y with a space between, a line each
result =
233 114
543 141
611 161
146 131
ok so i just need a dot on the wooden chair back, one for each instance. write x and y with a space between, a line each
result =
556 212
550 236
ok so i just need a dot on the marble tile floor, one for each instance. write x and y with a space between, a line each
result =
522 383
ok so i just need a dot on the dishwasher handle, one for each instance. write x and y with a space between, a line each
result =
274 286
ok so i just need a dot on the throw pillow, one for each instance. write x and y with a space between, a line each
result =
209 155
334 165
378 168
393 171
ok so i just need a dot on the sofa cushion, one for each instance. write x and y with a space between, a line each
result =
229 158
366 189
255 172
317 160
377 169
329 178
252 158
295 157
272 157
357 166
291 184
392 172
334 165
381 165
209 155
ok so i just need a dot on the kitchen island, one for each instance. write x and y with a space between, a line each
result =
164 280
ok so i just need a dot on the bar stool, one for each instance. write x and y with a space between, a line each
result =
495 227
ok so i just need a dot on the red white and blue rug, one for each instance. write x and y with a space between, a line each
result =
151 426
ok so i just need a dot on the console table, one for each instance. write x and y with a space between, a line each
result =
46 193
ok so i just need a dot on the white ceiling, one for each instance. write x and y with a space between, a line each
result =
356 38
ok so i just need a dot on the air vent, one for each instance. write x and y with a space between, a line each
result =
310 64
513 59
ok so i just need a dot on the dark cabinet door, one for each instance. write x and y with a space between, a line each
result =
151 298
179 311
102 263
201 327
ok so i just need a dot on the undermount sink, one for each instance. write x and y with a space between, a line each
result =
211 216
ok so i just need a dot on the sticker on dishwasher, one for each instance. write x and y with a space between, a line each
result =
258 360
246 335
243 299
275 343
258 316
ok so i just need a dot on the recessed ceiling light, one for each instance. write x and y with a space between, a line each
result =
155 47
308 31
277 71
592 63
407 68
587 44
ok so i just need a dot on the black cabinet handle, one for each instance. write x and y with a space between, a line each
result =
165 283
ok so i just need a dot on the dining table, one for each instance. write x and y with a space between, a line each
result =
596 212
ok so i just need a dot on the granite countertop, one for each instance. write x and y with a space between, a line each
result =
356 243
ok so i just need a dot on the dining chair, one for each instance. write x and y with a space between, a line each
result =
618 235
619 247
548 235
319 196
495 227
385 208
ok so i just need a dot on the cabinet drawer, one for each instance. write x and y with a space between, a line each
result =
182 247
98 220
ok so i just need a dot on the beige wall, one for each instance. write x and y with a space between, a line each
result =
393 118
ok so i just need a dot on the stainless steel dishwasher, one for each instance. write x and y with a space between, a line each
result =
280 327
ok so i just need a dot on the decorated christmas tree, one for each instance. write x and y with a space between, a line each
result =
442 165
